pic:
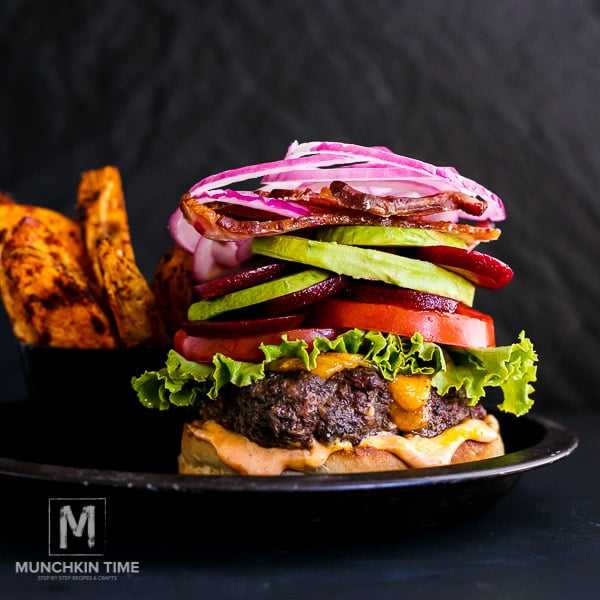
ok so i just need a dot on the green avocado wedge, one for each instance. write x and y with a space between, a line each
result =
376 235
365 263
206 309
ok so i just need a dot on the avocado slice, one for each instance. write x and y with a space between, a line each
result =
377 235
365 263
206 309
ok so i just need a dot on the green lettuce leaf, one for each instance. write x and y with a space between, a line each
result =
511 368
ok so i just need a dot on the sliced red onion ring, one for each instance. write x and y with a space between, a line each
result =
220 180
374 177
212 257
447 175
495 211
369 169
204 266
183 232
230 254
283 208
224 254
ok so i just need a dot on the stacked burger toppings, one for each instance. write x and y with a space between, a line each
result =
331 327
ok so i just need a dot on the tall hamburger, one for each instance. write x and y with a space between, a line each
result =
332 327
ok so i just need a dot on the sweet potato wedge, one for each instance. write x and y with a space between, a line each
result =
101 214
131 301
6 198
50 300
11 213
172 286
64 228
22 328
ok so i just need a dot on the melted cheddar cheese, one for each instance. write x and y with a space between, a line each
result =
328 363
410 394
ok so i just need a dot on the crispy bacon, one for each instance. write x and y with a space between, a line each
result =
341 195
213 224
386 206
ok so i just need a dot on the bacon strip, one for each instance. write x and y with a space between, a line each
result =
385 206
341 195
214 225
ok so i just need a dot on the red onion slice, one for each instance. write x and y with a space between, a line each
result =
183 232
225 178
283 208
204 266
374 169
446 175
212 257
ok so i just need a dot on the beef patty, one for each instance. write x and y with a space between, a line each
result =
291 409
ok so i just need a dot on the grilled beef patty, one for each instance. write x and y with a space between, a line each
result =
291 409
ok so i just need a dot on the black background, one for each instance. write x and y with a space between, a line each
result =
170 91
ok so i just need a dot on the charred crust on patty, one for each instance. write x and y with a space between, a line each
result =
294 409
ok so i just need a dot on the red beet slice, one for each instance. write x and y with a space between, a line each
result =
380 293
245 327
482 269
303 298
246 275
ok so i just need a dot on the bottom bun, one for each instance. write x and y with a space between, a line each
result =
199 457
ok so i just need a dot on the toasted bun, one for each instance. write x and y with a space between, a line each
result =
199 457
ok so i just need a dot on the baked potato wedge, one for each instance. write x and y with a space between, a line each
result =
47 293
172 286
130 299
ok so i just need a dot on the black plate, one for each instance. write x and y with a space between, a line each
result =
421 497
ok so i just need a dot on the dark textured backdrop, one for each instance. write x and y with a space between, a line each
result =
170 91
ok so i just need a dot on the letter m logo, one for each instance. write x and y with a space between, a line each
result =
76 526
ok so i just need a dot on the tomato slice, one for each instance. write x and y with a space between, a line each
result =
245 348
465 328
